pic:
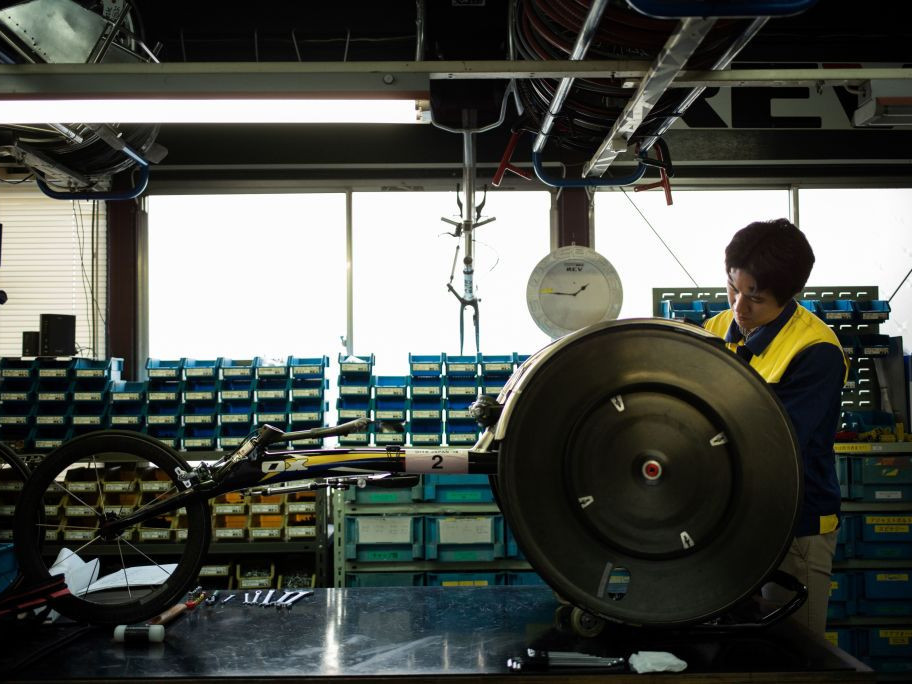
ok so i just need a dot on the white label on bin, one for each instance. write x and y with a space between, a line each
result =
426 367
53 396
266 532
90 373
81 486
459 391
7 535
7 510
294 531
301 507
389 415
79 511
215 571
235 394
458 413
222 508
307 370
306 415
197 396
52 372
266 508
11 486
162 396
48 443
161 420
437 461
12 420
49 420
270 394
198 420
155 535
124 420
163 372
16 373
86 420
354 367
229 533
425 391
497 367
426 414
389 391
385 530
236 372
78 535
466 530
87 396
271 371
13 396
888 495
305 393
125 396
125 486
199 372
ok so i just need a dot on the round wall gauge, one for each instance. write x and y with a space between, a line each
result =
571 288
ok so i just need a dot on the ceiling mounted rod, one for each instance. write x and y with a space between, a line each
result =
668 64
722 63
583 40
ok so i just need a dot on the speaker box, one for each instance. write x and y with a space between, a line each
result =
30 342
58 335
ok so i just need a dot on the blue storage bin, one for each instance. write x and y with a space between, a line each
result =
53 389
164 369
513 550
238 389
877 527
463 389
94 391
391 409
202 368
47 437
426 365
273 388
842 475
236 413
426 388
424 432
872 311
203 390
164 413
717 306
457 489
464 538
356 365
881 478
496 364
426 409
88 414
383 495
128 405
461 366
17 414
307 415
199 437
812 305
9 569
12 367
870 344
885 584
492 386
304 391
350 408
384 579
168 434
849 344
53 368
885 642
466 579
836 310
307 367
357 438
384 538
200 413
275 413
386 437
865 421
230 435
20 390
358 386
234 369
842 593
457 409
458 433
391 386
271 369
693 311
90 369
170 392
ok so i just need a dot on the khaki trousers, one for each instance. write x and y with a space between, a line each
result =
810 560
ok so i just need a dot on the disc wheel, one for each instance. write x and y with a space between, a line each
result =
649 475
114 578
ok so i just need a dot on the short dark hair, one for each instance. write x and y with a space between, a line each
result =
775 253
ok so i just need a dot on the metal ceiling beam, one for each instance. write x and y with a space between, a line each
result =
405 80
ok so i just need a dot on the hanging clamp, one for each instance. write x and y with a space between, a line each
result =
663 164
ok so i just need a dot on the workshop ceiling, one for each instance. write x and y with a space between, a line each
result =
751 133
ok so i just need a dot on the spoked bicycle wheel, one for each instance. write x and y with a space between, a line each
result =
13 474
650 476
84 485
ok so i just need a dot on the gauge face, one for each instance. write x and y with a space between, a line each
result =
571 288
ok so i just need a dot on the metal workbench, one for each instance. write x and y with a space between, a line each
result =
423 634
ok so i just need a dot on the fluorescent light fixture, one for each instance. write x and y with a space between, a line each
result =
215 111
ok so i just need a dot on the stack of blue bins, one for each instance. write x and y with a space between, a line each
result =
165 400
17 392
391 405
692 311
307 384
236 406
91 393
201 404
128 405
356 381
53 396
425 427
462 386
495 371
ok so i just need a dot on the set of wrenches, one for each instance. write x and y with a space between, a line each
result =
286 601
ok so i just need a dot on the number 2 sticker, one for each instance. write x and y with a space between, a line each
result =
437 460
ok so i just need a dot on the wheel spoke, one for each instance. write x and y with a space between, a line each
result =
123 565
76 496
146 556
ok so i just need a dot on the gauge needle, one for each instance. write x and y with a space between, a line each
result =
568 294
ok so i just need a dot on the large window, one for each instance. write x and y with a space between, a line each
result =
652 244
53 259
239 276
403 256
864 237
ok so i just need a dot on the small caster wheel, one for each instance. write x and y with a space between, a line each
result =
586 624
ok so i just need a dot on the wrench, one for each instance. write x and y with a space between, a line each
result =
298 596
268 596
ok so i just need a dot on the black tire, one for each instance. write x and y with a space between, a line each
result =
649 475
42 535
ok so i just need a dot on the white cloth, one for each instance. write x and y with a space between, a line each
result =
655 661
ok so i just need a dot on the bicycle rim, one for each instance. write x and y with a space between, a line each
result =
13 474
139 573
